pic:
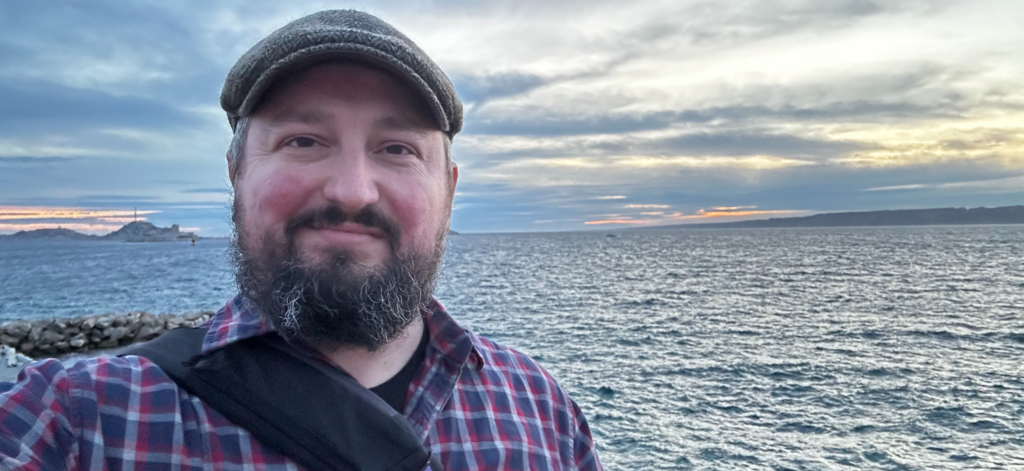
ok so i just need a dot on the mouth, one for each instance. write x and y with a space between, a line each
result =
350 229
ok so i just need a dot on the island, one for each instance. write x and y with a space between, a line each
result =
135 231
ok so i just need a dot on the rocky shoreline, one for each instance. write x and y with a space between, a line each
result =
62 336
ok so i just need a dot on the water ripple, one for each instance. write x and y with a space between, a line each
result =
786 349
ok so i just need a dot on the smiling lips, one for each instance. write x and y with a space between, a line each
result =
350 229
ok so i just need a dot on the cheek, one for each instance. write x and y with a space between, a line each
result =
418 210
272 198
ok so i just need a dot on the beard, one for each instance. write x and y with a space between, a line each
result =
336 302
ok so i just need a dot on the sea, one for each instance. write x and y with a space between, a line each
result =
890 348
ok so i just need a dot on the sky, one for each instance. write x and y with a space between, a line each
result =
579 114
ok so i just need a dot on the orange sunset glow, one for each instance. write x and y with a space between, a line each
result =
90 221
617 221
39 212
74 226
716 212
730 212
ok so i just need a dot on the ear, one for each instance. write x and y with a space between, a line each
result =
454 180
231 170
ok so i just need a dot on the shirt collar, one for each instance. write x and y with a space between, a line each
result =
239 320
449 338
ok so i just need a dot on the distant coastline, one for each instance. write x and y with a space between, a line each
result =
135 231
898 217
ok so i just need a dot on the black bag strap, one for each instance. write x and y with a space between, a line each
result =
305 409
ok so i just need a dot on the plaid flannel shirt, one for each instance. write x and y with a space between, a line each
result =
476 404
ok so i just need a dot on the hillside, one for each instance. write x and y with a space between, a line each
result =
902 217
142 231
51 234
137 231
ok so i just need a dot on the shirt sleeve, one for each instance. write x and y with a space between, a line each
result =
584 451
35 425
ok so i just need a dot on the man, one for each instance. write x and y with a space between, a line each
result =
343 185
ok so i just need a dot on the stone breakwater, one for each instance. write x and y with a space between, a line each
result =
52 337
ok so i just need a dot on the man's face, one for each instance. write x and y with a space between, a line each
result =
344 180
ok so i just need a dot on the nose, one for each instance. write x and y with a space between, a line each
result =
351 183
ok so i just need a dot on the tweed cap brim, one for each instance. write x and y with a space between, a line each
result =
339 35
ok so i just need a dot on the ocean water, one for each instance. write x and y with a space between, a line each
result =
775 349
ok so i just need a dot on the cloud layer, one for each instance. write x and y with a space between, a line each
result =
675 109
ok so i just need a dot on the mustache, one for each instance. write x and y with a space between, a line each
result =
368 216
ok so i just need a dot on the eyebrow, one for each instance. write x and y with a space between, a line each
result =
393 123
303 117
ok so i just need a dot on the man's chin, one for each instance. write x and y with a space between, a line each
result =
367 259
343 264
332 299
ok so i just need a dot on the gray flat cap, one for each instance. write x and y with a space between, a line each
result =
339 34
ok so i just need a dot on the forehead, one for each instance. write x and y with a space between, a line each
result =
352 82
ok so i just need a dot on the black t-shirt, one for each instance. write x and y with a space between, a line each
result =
393 391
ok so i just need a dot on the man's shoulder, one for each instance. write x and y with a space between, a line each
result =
518 369
100 376
501 354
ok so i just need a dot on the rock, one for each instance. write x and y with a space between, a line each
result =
44 351
49 337
108 343
62 346
71 331
9 340
148 319
148 333
75 321
77 342
104 321
114 333
191 316
120 321
58 325
17 329
88 323
34 334
26 347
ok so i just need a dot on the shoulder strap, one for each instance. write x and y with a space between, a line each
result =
309 411
171 351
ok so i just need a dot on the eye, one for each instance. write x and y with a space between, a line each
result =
302 142
397 149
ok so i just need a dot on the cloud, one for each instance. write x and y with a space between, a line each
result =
757 162
208 190
84 227
477 89
25 161
995 185
40 105
618 221
916 186
88 220
126 49
26 213
715 214
646 206
730 213
698 106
